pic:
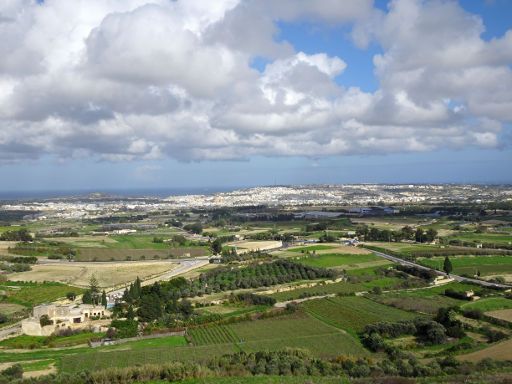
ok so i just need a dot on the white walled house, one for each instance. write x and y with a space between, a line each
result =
61 317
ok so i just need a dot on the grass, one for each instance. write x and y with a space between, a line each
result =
38 365
489 304
496 238
124 254
353 313
216 334
296 331
427 305
469 265
9 309
35 342
342 288
30 294
337 260
312 248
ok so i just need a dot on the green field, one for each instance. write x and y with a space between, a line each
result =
30 294
489 304
338 260
426 305
295 331
312 248
342 288
33 342
494 238
353 313
469 265
214 334
122 254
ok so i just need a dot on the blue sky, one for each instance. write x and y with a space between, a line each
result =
59 159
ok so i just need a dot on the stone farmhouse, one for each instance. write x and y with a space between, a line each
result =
74 316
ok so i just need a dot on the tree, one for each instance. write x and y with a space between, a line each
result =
431 235
419 235
217 246
87 297
130 314
104 301
447 265
94 289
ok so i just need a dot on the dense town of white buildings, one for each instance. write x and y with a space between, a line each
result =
354 195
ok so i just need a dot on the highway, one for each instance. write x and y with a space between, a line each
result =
440 273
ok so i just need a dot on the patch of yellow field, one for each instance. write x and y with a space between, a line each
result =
5 245
247 246
109 275
86 241
502 314
343 249
501 351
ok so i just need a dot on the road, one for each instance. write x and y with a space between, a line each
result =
440 273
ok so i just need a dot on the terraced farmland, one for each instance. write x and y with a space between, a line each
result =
340 260
353 313
216 334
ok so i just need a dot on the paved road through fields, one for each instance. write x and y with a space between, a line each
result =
455 277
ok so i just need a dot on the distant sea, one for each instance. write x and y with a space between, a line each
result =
157 192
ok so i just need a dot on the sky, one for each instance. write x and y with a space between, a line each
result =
140 94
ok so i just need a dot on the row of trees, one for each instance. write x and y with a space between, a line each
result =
406 233
18 235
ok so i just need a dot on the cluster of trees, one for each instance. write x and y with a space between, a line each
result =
426 274
251 276
196 228
252 299
9 375
450 292
406 233
230 255
93 295
257 275
18 235
428 332
154 302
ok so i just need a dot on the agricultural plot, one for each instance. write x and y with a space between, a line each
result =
405 249
342 288
339 260
493 238
503 314
30 294
298 331
469 265
312 248
108 274
9 309
216 334
125 254
500 351
489 304
427 305
248 246
353 313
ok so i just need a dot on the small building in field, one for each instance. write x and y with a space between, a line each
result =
49 318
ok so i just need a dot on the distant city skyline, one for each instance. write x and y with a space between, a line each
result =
241 93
